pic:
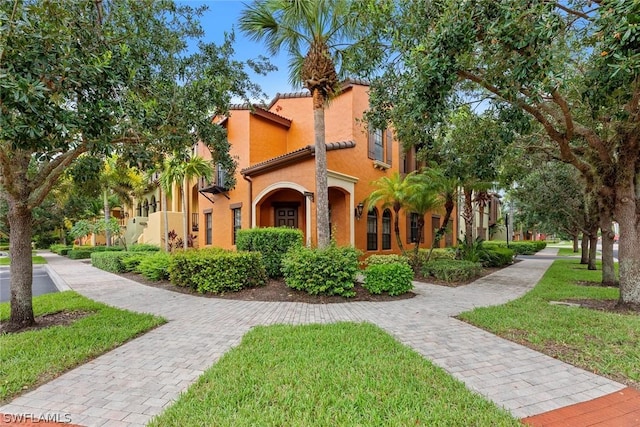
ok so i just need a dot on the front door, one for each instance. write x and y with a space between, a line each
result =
287 217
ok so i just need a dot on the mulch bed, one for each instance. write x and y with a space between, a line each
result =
274 290
61 318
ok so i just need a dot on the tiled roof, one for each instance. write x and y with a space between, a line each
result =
292 157
306 94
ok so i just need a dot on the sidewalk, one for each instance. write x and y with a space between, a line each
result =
131 384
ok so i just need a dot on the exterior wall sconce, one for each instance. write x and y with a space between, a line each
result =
309 195
359 209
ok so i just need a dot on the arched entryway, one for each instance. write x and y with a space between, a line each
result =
284 204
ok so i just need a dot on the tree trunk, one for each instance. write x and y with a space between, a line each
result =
396 226
584 258
107 216
21 269
467 215
481 222
448 210
575 242
629 250
185 215
166 219
322 190
416 250
608 270
593 248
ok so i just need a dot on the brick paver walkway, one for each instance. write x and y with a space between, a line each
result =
131 384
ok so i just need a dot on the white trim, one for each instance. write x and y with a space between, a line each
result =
278 186
342 176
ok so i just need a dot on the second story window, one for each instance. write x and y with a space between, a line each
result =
376 146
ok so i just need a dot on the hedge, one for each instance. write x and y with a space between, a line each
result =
217 270
4 247
496 257
155 266
417 261
143 247
452 270
393 278
273 243
60 249
520 247
106 248
328 271
79 254
109 260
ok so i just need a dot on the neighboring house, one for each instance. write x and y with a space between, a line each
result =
275 184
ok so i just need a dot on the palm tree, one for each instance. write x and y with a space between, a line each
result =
180 171
119 179
393 191
312 32
422 197
482 199
447 189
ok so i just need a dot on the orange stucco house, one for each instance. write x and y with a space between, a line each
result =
275 177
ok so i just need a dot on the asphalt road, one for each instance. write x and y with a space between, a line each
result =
42 283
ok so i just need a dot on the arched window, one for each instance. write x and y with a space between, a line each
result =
153 204
386 229
372 230
145 208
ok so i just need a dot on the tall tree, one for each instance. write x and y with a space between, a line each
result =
574 66
96 76
315 34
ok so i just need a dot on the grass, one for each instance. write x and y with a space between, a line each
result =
319 375
36 259
567 252
600 342
33 357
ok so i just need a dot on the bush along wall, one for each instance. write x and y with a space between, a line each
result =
217 270
109 260
328 271
273 243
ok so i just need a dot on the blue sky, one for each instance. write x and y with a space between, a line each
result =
222 17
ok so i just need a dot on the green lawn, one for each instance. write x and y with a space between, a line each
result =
342 374
37 259
33 357
605 343
567 252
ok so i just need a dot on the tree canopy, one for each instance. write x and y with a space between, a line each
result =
572 66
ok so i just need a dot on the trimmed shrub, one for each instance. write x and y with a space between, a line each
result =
328 271
217 270
143 247
60 249
131 261
520 247
273 243
394 278
452 270
155 266
107 248
109 260
79 254
6 248
496 257
386 259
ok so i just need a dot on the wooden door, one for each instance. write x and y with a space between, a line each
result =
287 217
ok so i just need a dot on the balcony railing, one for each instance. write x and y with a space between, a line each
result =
218 184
